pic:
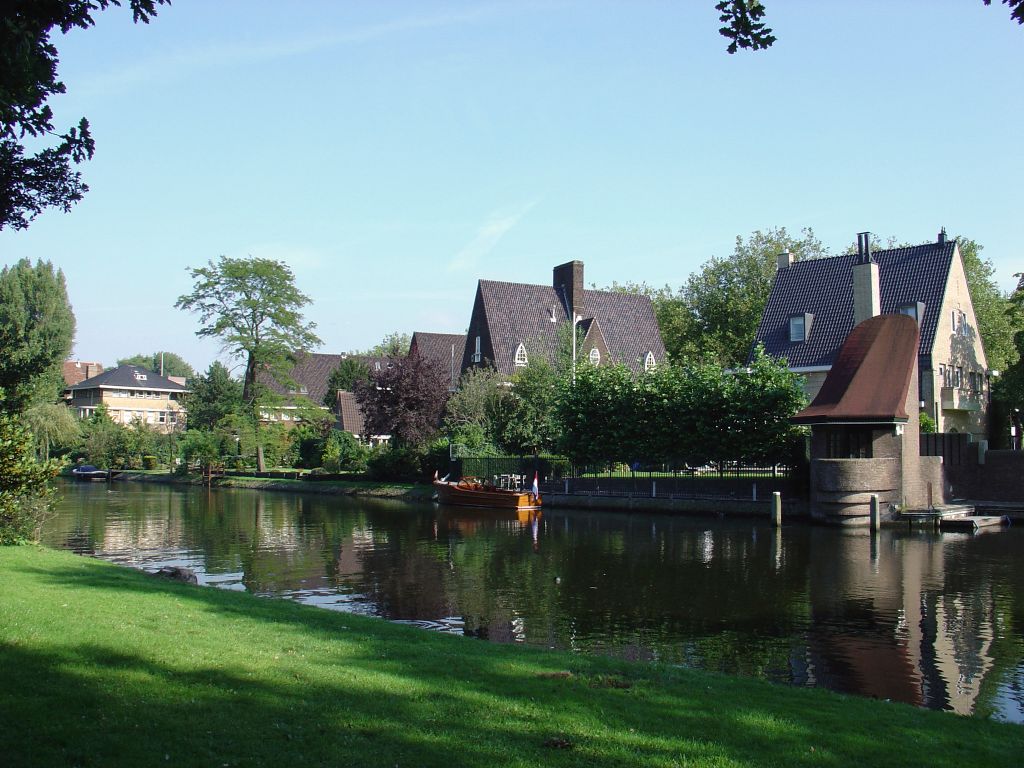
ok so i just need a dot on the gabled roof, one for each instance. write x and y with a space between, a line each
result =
869 381
350 414
311 373
521 313
437 348
129 377
824 289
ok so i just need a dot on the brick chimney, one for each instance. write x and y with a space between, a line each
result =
867 292
567 280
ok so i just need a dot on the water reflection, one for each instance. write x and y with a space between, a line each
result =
933 620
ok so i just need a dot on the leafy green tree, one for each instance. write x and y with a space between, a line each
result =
170 363
997 325
254 308
25 491
395 344
36 331
525 415
54 428
713 317
31 183
213 397
469 417
350 371
343 453
1009 388
102 440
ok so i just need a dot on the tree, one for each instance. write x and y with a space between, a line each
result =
404 399
350 371
395 344
470 412
525 417
1009 388
213 397
996 323
168 363
28 78
53 426
25 492
254 308
36 331
714 316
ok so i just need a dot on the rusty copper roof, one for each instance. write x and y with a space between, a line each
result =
871 375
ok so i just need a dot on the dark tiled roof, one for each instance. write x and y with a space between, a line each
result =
521 313
824 288
311 373
127 377
350 415
871 375
437 348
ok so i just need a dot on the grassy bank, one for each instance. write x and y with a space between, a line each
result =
411 491
104 666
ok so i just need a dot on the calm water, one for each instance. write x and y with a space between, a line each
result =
935 620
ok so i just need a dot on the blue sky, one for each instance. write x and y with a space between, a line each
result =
392 153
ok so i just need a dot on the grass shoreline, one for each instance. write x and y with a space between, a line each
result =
102 665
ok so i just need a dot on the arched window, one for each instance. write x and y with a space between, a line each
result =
650 362
595 356
521 359
476 351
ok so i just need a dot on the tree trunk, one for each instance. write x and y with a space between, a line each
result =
260 464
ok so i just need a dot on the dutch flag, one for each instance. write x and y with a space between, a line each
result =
536 486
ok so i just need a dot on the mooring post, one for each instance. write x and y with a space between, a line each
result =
777 509
754 491
876 520
654 488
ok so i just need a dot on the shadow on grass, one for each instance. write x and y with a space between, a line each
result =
242 680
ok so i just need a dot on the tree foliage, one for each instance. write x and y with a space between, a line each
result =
714 316
471 411
36 331
743 25
395 344
214 396
170 363
695 414
350 371
525 418
1009 388
54 428
997 325
254 308
31 183
404 399
25 492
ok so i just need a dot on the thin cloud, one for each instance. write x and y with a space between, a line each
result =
495 227
187 62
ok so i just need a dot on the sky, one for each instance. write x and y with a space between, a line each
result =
393 153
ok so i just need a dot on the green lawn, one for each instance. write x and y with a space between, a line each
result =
105 666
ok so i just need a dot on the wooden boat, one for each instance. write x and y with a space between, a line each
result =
470 492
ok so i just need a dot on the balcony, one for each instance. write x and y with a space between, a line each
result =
954 399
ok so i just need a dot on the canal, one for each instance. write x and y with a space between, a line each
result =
935 620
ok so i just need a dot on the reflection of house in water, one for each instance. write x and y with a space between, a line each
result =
919 643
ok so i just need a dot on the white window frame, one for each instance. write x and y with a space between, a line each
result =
521 359
476 354
594 356
795 322
649 362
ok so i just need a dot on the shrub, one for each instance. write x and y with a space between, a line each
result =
927 423
344 453
149 462
25 492
403 464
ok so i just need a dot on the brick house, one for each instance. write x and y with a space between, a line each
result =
814 305
444 350
513 323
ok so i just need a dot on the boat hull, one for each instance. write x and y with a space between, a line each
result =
467 494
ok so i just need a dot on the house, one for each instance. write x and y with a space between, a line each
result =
513 323
311 376
445 350
77 371
131 393
815 304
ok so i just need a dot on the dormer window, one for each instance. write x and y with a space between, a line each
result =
476 353
140 377
521 359
594 356
800 327
649 362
